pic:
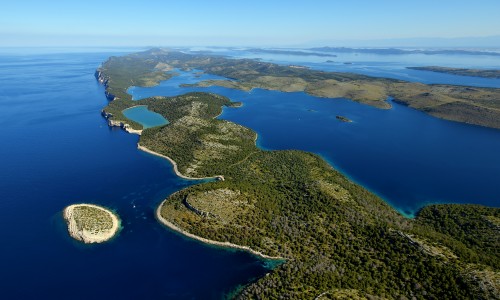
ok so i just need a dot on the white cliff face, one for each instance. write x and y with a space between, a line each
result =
106 115
115 123
124 126
103 79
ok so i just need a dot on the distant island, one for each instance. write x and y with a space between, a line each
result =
462 72
450 102
337 238
90 223
397 51
290 52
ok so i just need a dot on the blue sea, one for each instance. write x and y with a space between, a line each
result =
57 150
405 156
388 66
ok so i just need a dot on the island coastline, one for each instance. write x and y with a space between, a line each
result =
174 165
83 235
481 73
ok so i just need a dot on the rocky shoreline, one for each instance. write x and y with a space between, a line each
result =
103 79
115 123
173 227
174 164
80 230
121 124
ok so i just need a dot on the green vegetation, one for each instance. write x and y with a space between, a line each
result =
92 219
339 239
118 74
476 229
472 234
198 143
460 71
90 223
334 234
480 106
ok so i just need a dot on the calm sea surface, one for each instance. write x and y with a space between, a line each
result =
389 66
408 158
57 150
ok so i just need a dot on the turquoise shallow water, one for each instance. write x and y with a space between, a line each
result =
57 150
145 117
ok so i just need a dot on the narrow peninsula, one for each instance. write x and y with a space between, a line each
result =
90 223
338 239
478 106
484 73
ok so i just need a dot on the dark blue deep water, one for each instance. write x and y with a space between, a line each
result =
57 150
408 158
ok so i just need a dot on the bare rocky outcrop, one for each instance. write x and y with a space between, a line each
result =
124 126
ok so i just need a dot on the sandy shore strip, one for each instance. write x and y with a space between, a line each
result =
176 170
207 241
85 236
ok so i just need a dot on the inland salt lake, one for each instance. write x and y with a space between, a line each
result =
57 150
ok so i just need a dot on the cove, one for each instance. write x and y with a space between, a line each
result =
145 117
408 158
171 87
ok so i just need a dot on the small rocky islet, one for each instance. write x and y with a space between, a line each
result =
89 223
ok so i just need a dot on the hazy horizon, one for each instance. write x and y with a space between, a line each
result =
385 23
485 43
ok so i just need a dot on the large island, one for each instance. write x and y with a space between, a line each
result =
337 238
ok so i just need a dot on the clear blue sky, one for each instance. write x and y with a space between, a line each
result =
221 22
